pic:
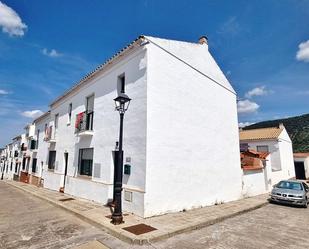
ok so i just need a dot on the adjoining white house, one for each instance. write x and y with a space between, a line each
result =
277 142
182 116
257 173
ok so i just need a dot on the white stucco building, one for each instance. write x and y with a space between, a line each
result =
277 142
182 116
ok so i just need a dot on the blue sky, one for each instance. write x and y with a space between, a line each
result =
46 46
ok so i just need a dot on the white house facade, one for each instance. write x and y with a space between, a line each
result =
277 142
182 115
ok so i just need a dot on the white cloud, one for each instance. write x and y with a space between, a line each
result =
303 52
32 114
10 21
3 92
230 26
244 124
247 106
51 53
258 91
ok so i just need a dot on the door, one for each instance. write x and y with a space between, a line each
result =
34 161
300 170
66 157
51 160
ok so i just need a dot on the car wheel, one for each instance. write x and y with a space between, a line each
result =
306 205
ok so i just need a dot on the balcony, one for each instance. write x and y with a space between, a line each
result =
49 135
84 124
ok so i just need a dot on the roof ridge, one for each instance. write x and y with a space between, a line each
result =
268 128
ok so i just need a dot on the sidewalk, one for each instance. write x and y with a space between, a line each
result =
165 225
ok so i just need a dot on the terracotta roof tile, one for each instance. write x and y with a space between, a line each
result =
306 154
259 134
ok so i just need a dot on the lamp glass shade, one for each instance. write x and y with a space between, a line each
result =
122 102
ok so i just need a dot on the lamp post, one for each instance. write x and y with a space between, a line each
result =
122 103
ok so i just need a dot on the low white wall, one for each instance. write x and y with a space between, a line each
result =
254 182
137 204
51 180
88 189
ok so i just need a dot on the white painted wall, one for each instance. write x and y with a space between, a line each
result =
192 131
42 152
106 133
256 182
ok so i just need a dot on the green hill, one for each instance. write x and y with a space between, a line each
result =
297 127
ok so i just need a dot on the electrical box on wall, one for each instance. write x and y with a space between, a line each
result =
127 169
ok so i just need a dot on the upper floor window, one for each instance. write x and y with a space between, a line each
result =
90 104
121 83
262 148
37 138
56 120
69 113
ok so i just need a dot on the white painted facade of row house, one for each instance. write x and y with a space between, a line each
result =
277 142
182 116
11 159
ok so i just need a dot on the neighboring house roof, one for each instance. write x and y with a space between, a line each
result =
301 155
260 134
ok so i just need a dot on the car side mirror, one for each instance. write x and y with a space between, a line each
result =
274 185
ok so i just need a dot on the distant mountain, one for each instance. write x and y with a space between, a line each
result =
297 127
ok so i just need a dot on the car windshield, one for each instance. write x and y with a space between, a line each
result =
290 185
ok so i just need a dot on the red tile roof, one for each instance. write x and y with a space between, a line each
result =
298 155
253 160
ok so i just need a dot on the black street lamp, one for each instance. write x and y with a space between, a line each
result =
122 103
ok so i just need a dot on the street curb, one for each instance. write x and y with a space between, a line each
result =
141 241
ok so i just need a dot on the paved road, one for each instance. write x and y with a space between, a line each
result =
28 222
271 226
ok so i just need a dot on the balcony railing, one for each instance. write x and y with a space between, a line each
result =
84 122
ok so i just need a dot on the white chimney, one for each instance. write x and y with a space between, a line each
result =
203 40
281 126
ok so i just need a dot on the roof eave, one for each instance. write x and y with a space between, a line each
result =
137 42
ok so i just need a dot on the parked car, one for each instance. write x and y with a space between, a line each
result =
290 192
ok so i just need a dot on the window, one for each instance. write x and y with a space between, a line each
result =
37 138
85 161
69 113
89 112
56 120
11 166
121 83
51 160
34 160
262 148
90 103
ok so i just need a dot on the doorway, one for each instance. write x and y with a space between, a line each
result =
300 170
66 158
